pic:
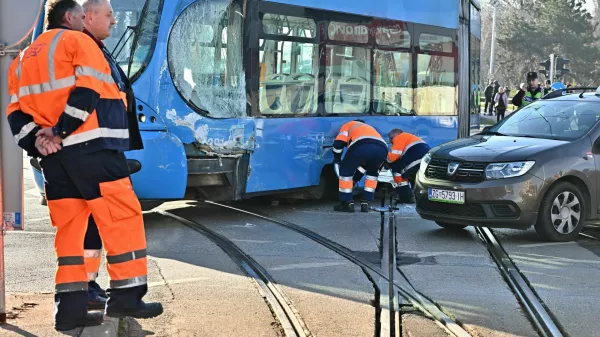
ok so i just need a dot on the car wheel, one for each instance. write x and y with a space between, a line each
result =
449 225
562 213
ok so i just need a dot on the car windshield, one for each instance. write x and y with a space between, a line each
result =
563 120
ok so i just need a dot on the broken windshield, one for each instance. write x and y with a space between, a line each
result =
206 59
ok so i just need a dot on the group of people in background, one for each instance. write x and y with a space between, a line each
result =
496 97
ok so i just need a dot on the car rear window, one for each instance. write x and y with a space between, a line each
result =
564 120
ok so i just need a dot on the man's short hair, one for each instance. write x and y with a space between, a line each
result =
56 10
548 82
86 4
392 134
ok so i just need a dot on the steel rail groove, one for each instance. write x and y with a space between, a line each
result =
291 322
417 299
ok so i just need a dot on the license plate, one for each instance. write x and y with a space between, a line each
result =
452 197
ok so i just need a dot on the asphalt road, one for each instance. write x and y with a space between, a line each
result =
204 290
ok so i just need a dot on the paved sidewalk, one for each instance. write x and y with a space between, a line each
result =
31 314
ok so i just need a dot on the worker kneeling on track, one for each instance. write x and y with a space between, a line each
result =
366 150
404 160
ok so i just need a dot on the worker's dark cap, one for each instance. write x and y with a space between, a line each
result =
532 75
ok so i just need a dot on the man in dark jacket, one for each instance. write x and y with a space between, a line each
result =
98 25
489 98
517 99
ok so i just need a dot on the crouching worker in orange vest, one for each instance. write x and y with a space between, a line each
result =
366 149
404 159
66 108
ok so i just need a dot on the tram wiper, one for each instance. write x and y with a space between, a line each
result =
129 28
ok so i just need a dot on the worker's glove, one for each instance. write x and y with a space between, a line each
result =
337 159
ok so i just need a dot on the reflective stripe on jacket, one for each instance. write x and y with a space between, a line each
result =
530 98
63 80
400 144
122 81
352 132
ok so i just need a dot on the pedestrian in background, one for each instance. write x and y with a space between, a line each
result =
501 100
517 99
489 97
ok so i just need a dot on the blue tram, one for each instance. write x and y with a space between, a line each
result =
239 98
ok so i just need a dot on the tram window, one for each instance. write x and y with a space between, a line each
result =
288 70
393 86
129 13
436 92
347 80
276 24
394 36
431 42
348 32
288 78
205 58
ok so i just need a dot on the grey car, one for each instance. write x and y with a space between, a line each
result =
538 167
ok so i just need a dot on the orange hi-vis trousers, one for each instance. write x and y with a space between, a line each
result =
96 183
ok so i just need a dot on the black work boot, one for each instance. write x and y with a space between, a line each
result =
344 206
91 319
144 310
95 299
364 207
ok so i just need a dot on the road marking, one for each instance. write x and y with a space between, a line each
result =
430 254
247 225
308 265
264 241
534 245
552 260
27 232
251 241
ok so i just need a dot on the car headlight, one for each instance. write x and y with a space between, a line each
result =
424 161
507 170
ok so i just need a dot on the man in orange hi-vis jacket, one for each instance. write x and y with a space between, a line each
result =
404 159
66 108
366 152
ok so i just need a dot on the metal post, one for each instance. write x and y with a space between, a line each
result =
552 65
17 18
464 80
494 3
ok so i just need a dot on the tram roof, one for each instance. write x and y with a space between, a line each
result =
441 13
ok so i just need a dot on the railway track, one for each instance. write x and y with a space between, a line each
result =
396 281
545 323
591 235
289 318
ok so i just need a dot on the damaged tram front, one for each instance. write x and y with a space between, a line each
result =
239 98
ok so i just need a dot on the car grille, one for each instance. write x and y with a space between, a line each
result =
466 210
468 172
